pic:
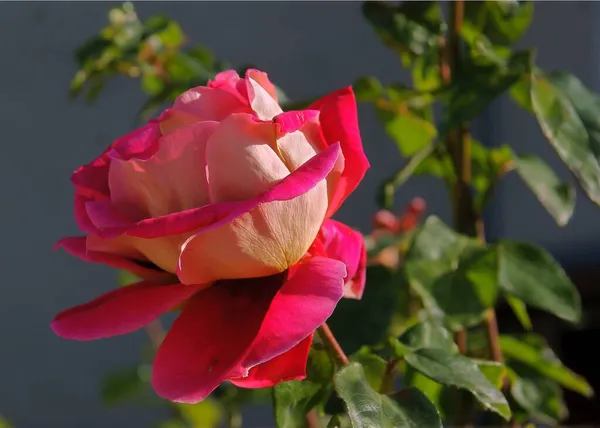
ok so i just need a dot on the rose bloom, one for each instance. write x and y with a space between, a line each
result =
222 207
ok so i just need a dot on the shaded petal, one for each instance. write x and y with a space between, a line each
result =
262 95
212 216
298 137
290 365
209 340
241 160
120 311
117 255
209 104
347 245
173 180
304 302
339 122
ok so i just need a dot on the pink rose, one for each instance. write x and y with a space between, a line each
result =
217 205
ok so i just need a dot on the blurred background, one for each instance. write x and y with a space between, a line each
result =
307 48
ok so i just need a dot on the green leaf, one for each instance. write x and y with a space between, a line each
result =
410 132
426 71
126 278
373 365
564 128
367 88
410 28
461 372
454 275
479 85
556 196
367 408
205 414
540 397
152 84
532 350
348 323
293 399
494 371
520 310
530 273
428 335
503 22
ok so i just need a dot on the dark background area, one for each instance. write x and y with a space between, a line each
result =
308 49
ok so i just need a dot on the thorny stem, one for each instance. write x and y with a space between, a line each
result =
332 344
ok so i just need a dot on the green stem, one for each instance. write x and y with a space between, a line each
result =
332 344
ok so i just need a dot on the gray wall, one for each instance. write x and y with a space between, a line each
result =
308 49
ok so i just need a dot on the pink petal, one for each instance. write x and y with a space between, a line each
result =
139 144
120 311
212 216
262 95
339 121
304 302
290 365
76 246
173 180
241 159
299 137
209 104
210 339
347 245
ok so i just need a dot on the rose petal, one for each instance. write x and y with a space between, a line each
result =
208 104
347 245
118 256
339 122
299 137
262 95
290 365
212 216
120 311
241 160
173 180
209 340
304 302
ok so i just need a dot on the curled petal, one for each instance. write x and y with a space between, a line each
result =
208 104
262 95
304 302
347 245
120 311
290 365
339 122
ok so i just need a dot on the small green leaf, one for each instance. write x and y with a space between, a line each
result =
292 400
411 27
410 132
531 274
367 88
373 365
152 84
126 278
428 335
539 396
556 196
367 408
494 371
520 310
461 372
503 22
562 125
532 350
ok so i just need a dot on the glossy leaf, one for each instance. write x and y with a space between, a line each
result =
461 372
533 351
367 88
494 371
410 132
556 196
564 128
530 273
373 366
367 408
428 335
